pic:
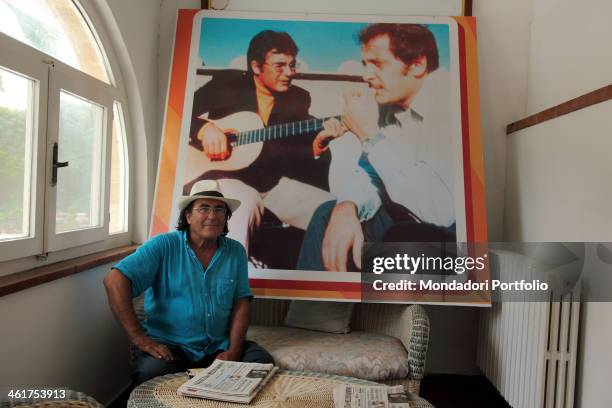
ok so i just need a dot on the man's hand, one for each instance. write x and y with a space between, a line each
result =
360 113
214 142
343 233
332 128
118 288
157 350
239 323
228 356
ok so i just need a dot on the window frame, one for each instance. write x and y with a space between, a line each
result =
39 256
27 65
64 78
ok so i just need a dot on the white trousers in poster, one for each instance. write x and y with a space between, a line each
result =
293 202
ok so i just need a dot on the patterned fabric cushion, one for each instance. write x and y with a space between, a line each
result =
330 317
370 356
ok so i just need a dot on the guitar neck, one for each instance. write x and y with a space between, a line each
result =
281 131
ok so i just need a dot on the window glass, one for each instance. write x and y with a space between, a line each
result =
119 175
57 28
81 126
16 138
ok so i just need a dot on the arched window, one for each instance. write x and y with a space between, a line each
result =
58 28
64 166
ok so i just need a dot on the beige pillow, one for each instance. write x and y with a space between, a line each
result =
330 317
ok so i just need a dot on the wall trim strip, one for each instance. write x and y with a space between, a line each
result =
581 102
19 281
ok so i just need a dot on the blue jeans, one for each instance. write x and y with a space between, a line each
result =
310 258
380 228
146 366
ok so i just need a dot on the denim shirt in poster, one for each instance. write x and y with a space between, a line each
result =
185 304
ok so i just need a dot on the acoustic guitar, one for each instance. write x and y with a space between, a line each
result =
245 136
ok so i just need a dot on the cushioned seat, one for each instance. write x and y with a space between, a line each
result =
388 344
365 355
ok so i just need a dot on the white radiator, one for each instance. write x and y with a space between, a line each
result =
528 349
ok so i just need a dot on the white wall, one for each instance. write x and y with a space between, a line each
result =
63 334
503 55
138 25
558 174
571 50
559 179
593 386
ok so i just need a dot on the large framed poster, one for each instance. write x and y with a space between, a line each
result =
350 140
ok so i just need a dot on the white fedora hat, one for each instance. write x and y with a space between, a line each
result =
207 189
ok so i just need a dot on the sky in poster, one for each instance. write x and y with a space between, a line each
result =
323 46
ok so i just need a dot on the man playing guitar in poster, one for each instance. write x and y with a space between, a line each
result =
280 174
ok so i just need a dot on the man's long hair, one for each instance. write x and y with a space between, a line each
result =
183 225
407 42
268 40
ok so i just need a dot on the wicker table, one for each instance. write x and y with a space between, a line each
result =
287 389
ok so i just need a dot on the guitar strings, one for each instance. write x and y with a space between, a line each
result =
280 131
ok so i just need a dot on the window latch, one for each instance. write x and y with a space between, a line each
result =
56 165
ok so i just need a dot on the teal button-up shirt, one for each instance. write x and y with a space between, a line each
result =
185 304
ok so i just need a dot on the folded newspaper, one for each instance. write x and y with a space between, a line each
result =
229 381
365 396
